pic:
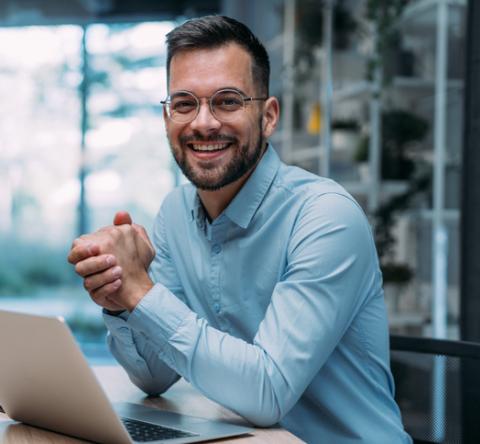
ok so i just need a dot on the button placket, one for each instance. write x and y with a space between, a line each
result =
215 260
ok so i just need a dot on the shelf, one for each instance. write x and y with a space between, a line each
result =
418 84
449 214
353 91
420 17
418 10
307 153
387 187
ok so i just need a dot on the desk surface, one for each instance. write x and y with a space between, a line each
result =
181 398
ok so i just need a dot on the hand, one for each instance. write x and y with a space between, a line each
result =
113 262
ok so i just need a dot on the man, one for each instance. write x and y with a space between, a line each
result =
265 290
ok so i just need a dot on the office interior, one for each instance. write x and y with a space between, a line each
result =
380 96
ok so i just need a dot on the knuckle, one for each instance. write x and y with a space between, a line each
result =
116 231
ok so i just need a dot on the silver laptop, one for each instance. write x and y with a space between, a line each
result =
45 381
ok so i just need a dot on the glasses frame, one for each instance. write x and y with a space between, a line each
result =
166 103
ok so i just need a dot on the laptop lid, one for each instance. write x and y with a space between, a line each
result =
45 381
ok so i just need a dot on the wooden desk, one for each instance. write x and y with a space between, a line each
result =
181 398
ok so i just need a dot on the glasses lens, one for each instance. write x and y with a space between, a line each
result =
225 103
183 107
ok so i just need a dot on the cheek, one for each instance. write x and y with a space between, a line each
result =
173 134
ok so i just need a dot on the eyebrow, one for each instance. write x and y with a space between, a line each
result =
186 91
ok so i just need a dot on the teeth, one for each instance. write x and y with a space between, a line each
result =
215 147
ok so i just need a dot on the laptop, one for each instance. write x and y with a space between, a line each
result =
46 382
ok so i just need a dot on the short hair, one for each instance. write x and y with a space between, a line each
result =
213 31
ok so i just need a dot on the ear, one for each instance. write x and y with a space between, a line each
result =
271 114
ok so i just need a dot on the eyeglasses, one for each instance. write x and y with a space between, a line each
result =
225 104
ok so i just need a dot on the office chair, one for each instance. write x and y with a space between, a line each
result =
437 387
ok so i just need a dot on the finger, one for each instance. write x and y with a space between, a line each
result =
83 239
121 218
83 251
95 264
95 281
105 296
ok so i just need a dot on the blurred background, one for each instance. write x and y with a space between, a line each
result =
372 95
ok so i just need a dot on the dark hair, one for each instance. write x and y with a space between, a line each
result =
213 31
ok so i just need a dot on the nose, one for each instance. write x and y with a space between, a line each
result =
205 122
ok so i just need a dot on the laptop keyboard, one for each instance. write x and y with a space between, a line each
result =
144 432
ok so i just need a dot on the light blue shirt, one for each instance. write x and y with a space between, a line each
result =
275 309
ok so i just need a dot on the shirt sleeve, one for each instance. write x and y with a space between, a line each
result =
143 360
331 261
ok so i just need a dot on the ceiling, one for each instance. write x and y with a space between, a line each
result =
49 12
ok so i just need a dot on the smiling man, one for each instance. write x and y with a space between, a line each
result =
262 286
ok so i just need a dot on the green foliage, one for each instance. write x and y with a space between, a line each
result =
361 153
309 23
28 265
384 15
402 127
398 273
345 124
399 129
386 215
87 328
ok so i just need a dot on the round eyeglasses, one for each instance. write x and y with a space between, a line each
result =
225 104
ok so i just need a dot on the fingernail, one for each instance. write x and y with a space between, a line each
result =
117 271
109 260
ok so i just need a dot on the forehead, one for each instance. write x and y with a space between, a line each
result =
204 71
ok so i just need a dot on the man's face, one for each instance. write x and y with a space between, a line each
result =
212 153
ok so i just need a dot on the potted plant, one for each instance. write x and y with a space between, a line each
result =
400 129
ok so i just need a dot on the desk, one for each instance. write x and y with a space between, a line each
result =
181 398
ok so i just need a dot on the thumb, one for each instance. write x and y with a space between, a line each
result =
122 218
142 233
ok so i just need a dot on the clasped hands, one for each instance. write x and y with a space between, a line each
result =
113 263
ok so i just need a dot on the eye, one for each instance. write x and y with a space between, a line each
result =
228 101
183 104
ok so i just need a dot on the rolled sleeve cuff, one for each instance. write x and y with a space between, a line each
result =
158 315
117 325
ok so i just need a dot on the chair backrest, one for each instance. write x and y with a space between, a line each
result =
437 388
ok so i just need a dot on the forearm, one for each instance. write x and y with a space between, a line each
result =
138 358
238 375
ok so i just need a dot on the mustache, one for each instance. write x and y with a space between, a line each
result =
212 138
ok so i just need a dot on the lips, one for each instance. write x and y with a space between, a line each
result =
208 148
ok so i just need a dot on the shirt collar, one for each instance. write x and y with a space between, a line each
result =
245 204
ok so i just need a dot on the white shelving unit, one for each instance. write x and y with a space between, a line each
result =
431 25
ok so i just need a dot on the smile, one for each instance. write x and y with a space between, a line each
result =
208 148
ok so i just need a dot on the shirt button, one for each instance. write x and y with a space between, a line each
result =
216 307
216 248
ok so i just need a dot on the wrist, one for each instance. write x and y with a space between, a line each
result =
137 294
112 312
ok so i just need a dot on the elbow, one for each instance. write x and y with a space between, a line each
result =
266 411
264 420
264 417
151 386
268 401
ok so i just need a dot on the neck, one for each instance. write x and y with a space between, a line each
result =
216 201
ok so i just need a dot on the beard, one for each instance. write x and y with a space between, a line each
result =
210 177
